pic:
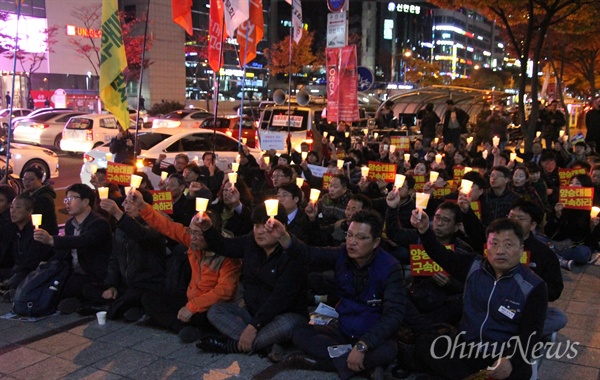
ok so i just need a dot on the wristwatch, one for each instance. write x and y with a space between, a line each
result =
361 347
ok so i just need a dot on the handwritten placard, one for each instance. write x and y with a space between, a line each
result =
575 197
382 170
401 142
119 173
162 200
272 140
565 175
423 265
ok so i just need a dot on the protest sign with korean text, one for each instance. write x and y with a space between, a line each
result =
423 265
327 179
565 175
401 142
575 197
382 170
162 200
119 173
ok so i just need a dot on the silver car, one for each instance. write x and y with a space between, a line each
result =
43 129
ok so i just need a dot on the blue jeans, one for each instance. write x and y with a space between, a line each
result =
579 254
556 319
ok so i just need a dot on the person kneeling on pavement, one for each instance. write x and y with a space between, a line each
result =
372 294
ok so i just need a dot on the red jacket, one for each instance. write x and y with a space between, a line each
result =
214 278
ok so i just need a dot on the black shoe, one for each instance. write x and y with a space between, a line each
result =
189 334
215 343
133 315
69 305
292 361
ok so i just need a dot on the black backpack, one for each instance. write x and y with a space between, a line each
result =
38 294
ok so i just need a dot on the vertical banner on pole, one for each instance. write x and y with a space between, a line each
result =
342 79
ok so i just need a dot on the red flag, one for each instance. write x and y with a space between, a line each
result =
254 29
182 14
216 34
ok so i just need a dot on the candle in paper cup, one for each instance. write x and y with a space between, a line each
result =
235 166
438 158
366 131
496 141
433 176
196 160
331 138
299 182
375 135
109 157
267 159
244 140
340 164
406 157
467 169
272 206
538 134
561 133
421 202
232 177
513 156
127 189
94 168
465 186
392 148
164 175
484 154
201 205
594 213
399 181
103 192
469 139
435 140
36 220
136 181
304 155
347 134
314 195
364 171
386 147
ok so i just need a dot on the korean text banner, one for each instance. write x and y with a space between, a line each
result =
342 89
575 197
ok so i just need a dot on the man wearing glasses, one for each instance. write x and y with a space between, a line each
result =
371 307
87 244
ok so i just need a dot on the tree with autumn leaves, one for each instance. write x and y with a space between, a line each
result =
525 25
132 28
303 56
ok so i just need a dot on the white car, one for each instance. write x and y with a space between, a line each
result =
183 118
168 141
43 129
24 156
17 112
86 132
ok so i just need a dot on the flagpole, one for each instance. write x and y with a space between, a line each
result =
216 83
243 89
289 136
12 103
139 94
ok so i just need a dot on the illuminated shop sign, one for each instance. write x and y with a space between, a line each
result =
404 8
80 31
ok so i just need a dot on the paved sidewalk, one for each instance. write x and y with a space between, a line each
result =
74 347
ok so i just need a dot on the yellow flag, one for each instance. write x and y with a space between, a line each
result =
112 63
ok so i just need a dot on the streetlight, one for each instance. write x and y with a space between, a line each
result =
407 55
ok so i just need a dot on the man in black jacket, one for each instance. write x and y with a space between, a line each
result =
44 196
274 290
86 244
455 123
210 174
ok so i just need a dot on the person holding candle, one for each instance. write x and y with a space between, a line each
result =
183 206
550 176
234 208
181 160
22 253
333 204
579 154
455 123
522 186
214 278
210 174
44 196
274 289
289 197
86 244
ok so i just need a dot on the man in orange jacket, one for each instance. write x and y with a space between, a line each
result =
214 278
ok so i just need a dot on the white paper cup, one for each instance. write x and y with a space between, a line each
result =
36 220
484 154
496 141
267 160
299 182
421 200
438 158
364 171
433 176
101 316
392 148
399 181
136 181
325 134
127 189
235 166
340 164
103 192
347 134
386 147
375 135
469 140
272 206
366 131
513 156
465 186
164 175
406 157
304 155
314 195
594 213
232 177
201 204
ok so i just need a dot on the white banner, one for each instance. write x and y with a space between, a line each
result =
296 18
272 140
317 171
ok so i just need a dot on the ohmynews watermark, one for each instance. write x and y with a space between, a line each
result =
512 347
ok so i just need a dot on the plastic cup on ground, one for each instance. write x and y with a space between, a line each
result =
101 316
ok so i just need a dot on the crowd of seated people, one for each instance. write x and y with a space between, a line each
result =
238 279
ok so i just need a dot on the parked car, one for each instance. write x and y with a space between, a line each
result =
169 141
230 125
43 129
182 118
38 111
24 156
86 132
17 112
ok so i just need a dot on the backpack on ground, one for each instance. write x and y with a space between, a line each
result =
39 293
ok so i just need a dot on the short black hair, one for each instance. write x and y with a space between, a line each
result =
548 155
28 200
8 192
534 168
366 202
84 191
35 170
529 208
584 179
450 102
476 178
259 214
344 181
505 224
454 208
285 170
286 157
502 169
371 218
101 171
204 155
293 189
180 179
